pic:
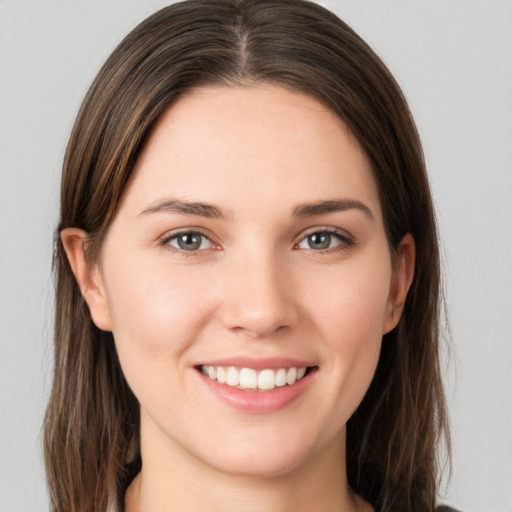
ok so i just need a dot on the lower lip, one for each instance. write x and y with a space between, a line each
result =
259 401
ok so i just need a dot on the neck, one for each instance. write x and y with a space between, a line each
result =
172 480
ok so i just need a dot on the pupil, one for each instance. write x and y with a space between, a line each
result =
320 241
189 241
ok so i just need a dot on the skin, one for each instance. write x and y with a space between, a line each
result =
257 288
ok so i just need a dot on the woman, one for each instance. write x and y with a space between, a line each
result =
247 275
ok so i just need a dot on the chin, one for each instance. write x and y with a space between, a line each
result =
275 466
267 457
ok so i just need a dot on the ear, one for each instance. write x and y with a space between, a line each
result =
401 280
88 276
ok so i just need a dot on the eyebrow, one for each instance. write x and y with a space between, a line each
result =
213 211
172 205
331 206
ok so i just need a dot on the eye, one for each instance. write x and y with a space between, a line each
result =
188 241
324 240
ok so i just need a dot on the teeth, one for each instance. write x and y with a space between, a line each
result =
221 374
247 378
291 376
281 377
232 377
267 379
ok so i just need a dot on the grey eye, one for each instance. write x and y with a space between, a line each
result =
190 241
320 241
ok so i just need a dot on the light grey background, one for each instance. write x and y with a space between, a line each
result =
453 59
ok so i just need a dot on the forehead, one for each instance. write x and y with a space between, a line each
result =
231 144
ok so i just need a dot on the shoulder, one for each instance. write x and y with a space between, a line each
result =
445 508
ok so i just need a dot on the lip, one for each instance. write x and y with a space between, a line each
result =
256 401
258 364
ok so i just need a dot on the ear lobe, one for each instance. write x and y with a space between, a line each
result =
88 276
403 273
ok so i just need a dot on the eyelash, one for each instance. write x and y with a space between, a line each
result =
166 239
344 239
345 242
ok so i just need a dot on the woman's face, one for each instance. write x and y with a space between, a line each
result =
250 247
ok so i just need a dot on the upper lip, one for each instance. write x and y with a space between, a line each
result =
273 363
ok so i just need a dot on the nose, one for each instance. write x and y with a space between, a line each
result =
257 298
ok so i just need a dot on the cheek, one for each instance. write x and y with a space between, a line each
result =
352 306
156 315
350 319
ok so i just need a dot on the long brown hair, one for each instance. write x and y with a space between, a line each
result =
92 420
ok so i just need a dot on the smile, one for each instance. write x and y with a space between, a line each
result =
250 379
